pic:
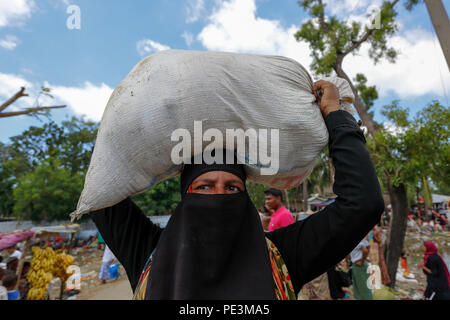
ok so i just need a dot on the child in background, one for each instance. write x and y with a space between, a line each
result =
404 265
9 282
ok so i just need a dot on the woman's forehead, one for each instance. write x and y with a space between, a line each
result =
218 175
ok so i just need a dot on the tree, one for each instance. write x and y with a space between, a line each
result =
48 193
6 183
36 110
413 150
161 199
331 41
52 152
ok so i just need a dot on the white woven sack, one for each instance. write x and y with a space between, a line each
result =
171 89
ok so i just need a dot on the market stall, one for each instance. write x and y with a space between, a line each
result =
46 262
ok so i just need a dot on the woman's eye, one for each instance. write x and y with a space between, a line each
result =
204 187
233 188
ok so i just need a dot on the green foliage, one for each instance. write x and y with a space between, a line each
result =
367 94
415 148
42 156
331 40
320 177
72 142
256 193
161 199
50 192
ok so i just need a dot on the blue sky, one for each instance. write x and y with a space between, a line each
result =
84 65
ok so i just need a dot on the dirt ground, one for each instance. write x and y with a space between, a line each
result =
89 261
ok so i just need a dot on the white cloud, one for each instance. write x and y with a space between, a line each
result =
194 10
146 46
10 42
344 8
10 84
88 100
234 27
188 38
420 68
14 12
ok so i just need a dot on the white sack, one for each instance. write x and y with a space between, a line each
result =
172 89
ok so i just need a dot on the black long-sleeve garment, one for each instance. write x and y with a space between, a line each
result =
309 247
436 280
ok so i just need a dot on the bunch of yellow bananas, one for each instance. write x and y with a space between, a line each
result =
62 262
40 273
44 264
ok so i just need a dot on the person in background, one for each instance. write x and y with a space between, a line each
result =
100 241
359 271
214 246
9 282
107 260
13 252
404 265
3 291
339 280
280 215
24 285
2 264
376 255
317 289
12 263
438 278
265 217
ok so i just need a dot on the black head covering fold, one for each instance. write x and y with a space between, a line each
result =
213 247
192 171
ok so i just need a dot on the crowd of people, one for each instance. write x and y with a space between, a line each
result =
357 269
13 287
432 220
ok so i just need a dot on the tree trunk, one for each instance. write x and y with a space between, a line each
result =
358 103
399 202
305 195
427 197
441 25
287 199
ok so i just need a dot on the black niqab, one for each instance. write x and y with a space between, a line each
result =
213 247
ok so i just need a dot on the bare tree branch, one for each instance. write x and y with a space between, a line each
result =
28 111
322 22
358 43
15 97
36 111
364 38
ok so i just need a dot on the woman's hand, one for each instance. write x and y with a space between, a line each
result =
328 96
421 266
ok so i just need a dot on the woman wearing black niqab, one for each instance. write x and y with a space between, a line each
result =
214 246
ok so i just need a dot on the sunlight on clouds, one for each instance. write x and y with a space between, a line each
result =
10 84
10 42
234 27
420 68
88 100
146 47
188 38
194 10
13 12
